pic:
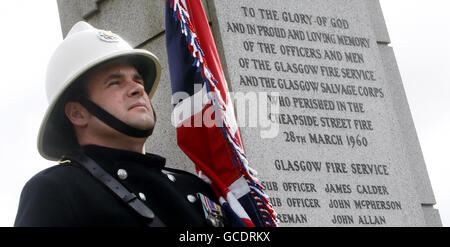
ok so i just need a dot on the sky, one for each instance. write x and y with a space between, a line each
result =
30 31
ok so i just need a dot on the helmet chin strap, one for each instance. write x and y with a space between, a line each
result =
112 121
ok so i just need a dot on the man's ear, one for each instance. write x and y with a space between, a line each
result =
77 114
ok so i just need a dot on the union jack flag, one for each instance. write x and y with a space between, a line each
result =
204 117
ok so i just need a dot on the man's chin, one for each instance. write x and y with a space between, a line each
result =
143 125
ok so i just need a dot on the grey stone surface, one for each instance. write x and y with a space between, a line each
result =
136 21
378 23
432 216
69 13
410 139
300 206
87 7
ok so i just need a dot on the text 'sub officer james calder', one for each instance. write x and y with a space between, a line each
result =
97 122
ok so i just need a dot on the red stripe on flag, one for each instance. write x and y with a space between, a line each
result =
206 41
205 146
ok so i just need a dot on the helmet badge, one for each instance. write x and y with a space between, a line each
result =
107 36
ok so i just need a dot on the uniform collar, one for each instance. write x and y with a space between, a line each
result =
106 155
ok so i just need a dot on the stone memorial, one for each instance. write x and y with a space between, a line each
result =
331 135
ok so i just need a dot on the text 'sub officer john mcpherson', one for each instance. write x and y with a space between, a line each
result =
98 120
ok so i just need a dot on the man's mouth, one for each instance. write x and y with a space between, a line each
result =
137 105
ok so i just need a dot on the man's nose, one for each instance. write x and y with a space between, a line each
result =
136 89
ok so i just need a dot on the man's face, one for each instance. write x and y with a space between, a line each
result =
118 88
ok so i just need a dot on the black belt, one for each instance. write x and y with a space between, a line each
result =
117 188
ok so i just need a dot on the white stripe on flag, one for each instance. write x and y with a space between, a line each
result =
239 187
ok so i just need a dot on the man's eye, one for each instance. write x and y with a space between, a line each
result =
113 83
139 80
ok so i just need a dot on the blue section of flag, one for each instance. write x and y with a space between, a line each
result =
249 204
183 75
231 218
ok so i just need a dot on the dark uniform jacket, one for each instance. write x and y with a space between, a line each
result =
68 195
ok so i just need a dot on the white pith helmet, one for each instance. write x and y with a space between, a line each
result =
82 49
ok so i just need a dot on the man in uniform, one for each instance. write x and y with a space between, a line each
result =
99 118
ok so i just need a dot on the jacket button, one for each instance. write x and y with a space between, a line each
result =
142 196
122 174
191 198
171 177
